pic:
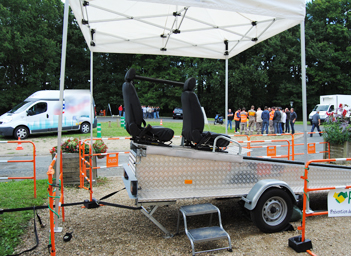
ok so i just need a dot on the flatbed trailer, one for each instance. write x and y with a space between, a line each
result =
158 175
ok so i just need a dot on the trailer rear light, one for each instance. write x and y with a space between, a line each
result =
188 181
134 187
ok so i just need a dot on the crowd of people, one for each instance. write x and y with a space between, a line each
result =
148 112
275 119
151 112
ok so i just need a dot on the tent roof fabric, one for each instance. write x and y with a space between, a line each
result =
190 28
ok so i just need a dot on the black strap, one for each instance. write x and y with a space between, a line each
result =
120 206
36 207
111 194
36 237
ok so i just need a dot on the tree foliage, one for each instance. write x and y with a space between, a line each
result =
267 74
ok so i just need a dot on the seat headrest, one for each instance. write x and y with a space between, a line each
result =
189 84
130 75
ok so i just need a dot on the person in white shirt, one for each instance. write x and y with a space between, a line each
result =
282 121
259 120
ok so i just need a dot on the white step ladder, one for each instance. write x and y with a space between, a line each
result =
204 234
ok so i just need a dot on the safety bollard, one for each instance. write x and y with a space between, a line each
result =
122 122
99 130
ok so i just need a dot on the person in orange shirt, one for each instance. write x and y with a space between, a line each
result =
271 115
237 120
252 119
243 124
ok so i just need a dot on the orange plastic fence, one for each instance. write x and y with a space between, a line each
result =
273 156
84 165
22 161
270 151
307 190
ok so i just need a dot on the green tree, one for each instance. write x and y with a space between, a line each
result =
30 53
328 49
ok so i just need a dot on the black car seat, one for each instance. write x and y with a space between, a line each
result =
193 121
153 135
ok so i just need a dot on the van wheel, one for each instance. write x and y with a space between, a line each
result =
273 211
85 127
21 132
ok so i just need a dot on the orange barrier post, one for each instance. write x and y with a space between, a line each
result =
52 194
300 243
23 161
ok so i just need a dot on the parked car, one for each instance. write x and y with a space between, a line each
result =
178 113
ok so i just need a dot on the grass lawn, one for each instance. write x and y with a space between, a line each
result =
18 194
117 131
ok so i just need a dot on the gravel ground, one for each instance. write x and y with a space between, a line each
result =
116 231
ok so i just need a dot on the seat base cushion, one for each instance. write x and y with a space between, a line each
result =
162 133
220 142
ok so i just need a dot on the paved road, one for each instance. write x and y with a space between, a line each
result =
43 162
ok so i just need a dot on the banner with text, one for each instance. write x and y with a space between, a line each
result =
339 203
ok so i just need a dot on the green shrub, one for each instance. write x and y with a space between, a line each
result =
336 128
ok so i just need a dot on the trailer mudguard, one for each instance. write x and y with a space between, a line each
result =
260 187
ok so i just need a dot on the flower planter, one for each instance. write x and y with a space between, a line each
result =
338 151
70 168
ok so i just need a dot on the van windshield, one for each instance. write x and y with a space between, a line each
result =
21 107
321 108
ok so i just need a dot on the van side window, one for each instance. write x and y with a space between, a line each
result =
38 108
331 109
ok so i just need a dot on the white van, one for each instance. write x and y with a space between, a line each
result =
39 113
330 103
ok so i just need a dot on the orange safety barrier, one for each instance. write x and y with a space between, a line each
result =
266 146
84 165
292 139
311 147
52 196
22 161
306 191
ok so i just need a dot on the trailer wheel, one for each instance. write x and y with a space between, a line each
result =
85 127
273 211
21 132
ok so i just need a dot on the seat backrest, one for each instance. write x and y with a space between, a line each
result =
193 119
133 111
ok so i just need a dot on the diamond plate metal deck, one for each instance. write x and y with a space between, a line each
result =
162 178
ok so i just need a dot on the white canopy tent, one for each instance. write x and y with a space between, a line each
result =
218 29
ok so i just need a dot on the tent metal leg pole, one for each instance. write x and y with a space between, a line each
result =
226 95
59 129
158 224
304 95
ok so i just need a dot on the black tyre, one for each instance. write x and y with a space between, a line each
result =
273 211
21 132
85 127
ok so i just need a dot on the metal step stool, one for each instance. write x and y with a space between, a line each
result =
206 233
